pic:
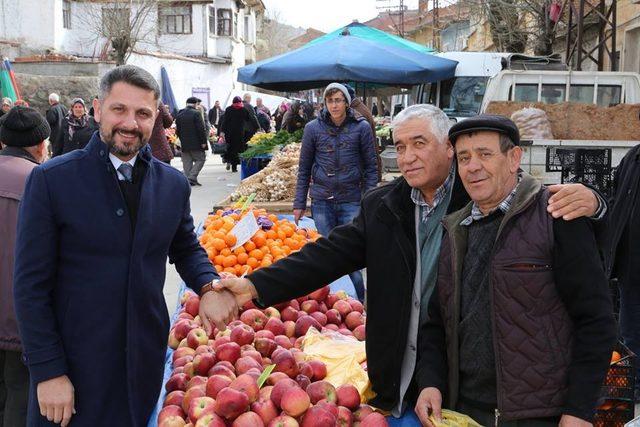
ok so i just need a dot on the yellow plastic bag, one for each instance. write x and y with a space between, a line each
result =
343 356
454 419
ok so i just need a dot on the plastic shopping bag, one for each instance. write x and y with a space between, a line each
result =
454 419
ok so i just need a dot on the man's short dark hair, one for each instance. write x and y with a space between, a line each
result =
506 143
130 74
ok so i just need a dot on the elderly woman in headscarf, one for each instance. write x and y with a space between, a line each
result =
78 127
278 116
232 126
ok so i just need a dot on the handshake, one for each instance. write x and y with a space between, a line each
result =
220 306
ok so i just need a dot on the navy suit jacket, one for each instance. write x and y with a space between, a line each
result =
88 289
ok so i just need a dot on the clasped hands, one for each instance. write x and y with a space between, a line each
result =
220 306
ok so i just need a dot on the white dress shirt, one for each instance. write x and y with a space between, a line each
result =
117 162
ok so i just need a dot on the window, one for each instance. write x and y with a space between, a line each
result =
66 14
235 25
247 33
462 95
174 19
553 94
224 22
526 93
212 21
582 94
115 21
608 95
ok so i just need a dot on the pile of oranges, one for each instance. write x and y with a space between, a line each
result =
272 242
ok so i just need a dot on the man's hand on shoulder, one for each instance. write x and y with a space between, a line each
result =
429 402
571 201
56 400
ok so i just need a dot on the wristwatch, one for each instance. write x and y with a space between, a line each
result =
208 287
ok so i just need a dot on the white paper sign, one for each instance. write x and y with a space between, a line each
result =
245 229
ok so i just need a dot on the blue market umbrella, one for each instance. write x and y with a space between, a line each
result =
346 58
167 92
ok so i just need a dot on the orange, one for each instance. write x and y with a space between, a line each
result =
249 246
239 250
219 268
259 240
230 261
257 254
218 244
273 218
225 252
265 250
239 269
219 259
282 235
230 240
271 234
228 225
230 270
216 224
242 258
290 242
265 262
248 269
286 249
252 262
218 235
288 231
278 258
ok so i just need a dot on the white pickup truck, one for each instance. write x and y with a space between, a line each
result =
485 77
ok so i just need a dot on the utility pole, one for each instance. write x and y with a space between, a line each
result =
394 9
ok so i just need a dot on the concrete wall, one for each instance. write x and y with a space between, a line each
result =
89 69
30 22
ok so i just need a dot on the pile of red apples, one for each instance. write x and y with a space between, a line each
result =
215 378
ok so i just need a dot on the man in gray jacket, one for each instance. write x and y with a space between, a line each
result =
23 134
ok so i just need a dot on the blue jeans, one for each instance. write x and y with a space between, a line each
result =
630 320
327 215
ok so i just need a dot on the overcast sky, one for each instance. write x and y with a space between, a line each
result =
328 15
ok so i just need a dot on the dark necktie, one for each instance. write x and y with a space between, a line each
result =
126 170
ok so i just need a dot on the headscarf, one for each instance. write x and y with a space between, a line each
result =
77 123
237 103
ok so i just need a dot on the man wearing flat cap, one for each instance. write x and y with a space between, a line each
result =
521 315
24 135
192 132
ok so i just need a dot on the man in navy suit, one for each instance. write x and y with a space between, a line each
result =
95 228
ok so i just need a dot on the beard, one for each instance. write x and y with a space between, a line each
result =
119 148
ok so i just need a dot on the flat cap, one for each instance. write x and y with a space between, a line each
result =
485 122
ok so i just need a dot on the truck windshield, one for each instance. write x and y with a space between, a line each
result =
462 96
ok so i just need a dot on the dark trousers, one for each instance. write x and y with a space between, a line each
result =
192 163
488 418
14 389
630 320
327 215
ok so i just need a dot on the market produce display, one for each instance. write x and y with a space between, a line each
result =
276 182
255 373
265 143
275 239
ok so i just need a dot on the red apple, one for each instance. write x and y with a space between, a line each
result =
303 381
192 306
197 337
320 317
289 313
182 361
186 295
321 390
265 334
174 398
331 327
245 363
345 332
272 312
298 342
184 315
254 318
254 372
253 354
343 307
197 381
220 341
356 305
173 341
183 351
275 326
345 418
294 402
210 420
348 396
354 319
290 328
362 412
283 421
265 409
224 370
265 346
275 377
188 369
170 411
280 388
319 369
323 308
360 332
177 382
309 306
248 419
333 316
229 352
328 406
190 395
173 421
230 403
265 392
242 335
304 323
375 419
318 417
205 349
216 383
320 294
200 407
203 362
178 370
248 385
305 369
182 328
285 363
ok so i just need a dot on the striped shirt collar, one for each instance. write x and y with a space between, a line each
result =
504 206
441 192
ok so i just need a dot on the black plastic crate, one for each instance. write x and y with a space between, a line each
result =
585 165
619 383
617 415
